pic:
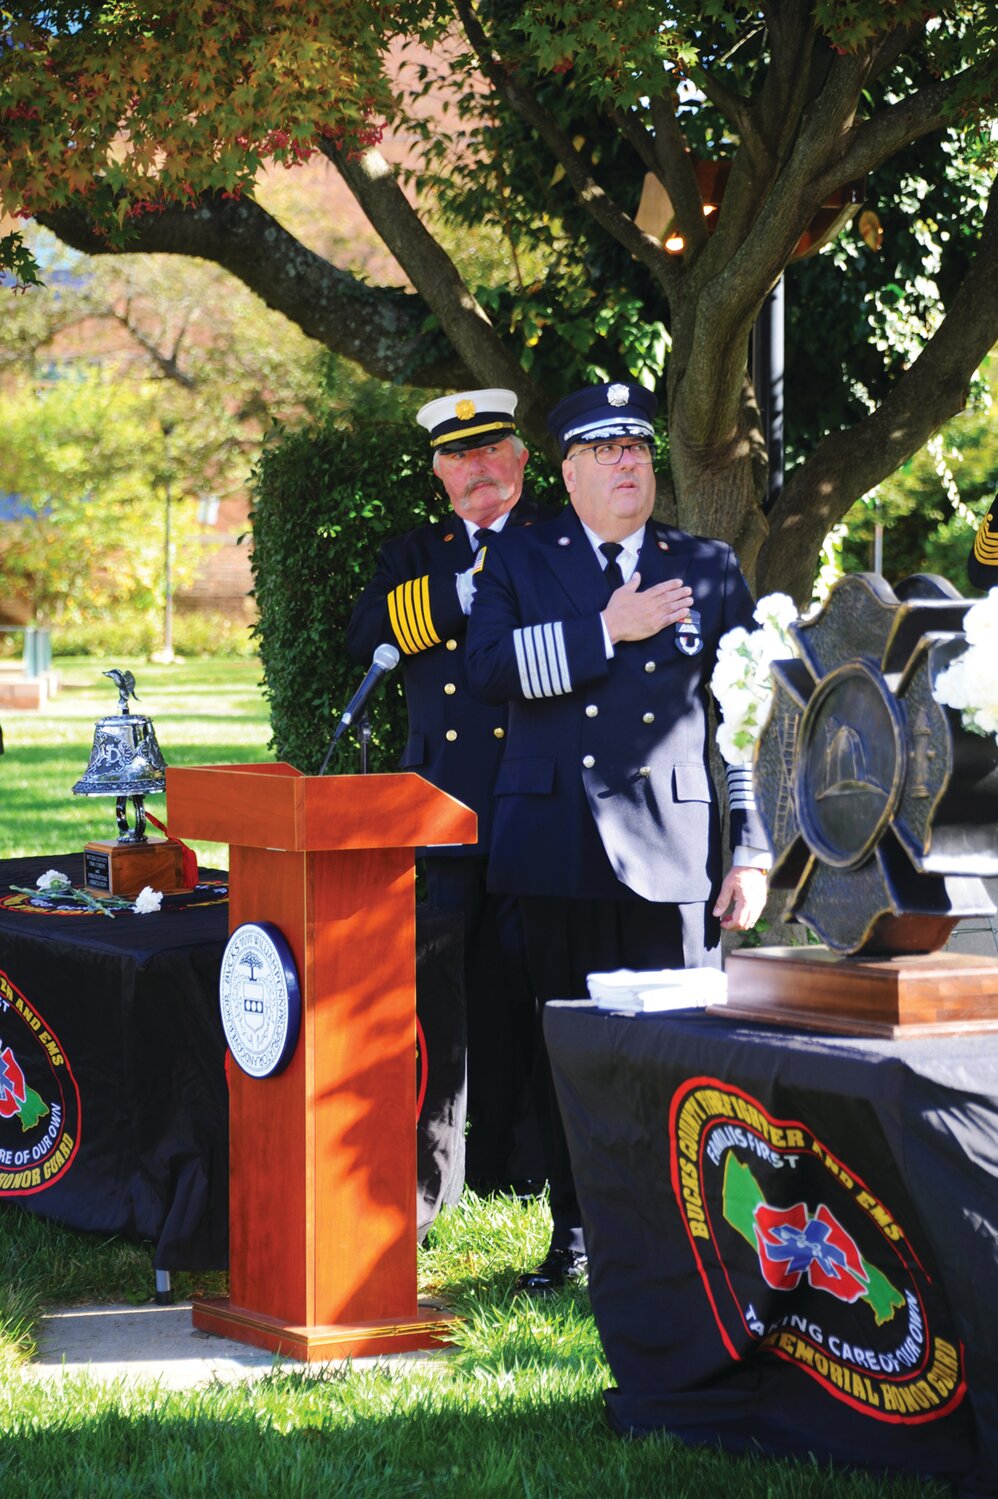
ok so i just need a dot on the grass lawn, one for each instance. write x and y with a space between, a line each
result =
514 1410
205 712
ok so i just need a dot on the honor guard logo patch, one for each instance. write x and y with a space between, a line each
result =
259 999
800 1261
39 1099
688 637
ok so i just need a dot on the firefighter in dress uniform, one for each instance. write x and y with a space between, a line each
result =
600 627
420 598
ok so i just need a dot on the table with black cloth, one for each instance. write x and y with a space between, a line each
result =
792 1238
110 1035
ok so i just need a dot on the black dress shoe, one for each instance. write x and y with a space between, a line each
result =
557 1268
527 1188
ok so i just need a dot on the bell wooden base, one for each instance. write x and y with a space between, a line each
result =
927 994
112 868
430 1328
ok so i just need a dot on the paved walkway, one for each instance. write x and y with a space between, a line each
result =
155 1343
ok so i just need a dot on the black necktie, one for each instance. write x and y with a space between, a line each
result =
482 535
612 576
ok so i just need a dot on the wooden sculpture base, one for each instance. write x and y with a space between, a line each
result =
112 868
928 994
428 1329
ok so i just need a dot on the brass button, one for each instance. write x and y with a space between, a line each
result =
649 666
647 718
645 771
499 733
449 688
451 735
592 710
451 645
589 761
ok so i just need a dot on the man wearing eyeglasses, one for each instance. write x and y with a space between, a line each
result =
600 629
420 599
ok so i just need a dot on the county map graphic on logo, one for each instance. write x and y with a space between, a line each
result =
39 1099
800 1260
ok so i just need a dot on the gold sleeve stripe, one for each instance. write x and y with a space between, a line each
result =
986 543
409 614
421 592
410 604
402 635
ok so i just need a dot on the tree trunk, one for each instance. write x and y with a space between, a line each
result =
719 488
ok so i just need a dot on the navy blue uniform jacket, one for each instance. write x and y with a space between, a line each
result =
982 564
604 791
454 740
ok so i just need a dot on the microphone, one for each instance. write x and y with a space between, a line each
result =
385 659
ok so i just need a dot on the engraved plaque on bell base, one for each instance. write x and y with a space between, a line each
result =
112 868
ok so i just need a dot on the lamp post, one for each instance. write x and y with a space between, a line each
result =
767 380
166 654
656 216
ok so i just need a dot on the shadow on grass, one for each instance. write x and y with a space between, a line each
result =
374 1434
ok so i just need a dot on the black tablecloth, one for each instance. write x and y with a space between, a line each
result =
113 1099
793 1239
131 1003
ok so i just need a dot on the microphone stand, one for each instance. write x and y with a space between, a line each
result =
362 724
363 727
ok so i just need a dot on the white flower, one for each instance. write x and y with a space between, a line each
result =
147 900
980 623
778 611
53 879
970 683
742 682
733 752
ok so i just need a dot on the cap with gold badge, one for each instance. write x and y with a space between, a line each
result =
469 419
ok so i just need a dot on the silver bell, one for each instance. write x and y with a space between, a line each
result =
125 760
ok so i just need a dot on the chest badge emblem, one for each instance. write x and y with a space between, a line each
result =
688 637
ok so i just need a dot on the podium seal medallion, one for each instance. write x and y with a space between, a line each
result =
260 999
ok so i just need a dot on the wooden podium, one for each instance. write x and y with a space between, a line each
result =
322 1205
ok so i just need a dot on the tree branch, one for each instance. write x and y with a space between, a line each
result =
379 327
848 464
878 138
167 364
639 139
463 320
591 196
675 168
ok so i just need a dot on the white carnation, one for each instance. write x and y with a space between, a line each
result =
980 623
742 680
970 683
53 879
735 754
147 900
776 611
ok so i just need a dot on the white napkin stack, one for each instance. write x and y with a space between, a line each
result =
659 989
